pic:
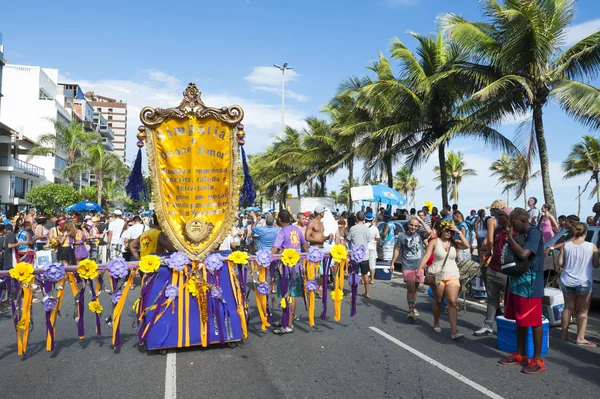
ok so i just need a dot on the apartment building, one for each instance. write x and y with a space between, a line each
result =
31 101
115 113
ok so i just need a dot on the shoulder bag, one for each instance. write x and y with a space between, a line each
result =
435 278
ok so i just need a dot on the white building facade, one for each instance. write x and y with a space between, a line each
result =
30 101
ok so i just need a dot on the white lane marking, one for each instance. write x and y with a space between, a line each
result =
171 375
439 365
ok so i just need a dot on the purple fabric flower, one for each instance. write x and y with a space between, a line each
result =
358 253
213 262
115 297
264 258
117 268
53 271
315 255
178 260
354 279
49 304
263 288
312 285
216 292
172 291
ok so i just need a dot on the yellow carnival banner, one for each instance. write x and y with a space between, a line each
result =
193 159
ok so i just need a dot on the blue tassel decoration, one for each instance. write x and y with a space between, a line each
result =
247 194
135 184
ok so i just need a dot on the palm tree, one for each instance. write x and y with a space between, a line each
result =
518 53
456 171
584 159
69 141
344 195
514 174
318 155
425 107
104 164
334 197
406 184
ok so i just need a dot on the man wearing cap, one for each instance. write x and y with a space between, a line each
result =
495 280
115 228
372 247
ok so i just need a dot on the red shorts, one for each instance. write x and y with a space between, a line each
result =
526 312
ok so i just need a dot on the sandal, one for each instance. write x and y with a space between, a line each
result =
589 344
286 330
277 323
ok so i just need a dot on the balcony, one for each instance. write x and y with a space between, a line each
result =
85 177
89 126
106 132
22 166
108 144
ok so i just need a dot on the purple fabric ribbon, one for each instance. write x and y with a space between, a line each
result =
326 264
94 297
50 330
283 285
160 304
143 301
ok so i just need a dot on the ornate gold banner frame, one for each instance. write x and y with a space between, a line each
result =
193 161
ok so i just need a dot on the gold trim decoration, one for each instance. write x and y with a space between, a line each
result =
198 234
191 105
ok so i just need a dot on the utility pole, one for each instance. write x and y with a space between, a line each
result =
282 69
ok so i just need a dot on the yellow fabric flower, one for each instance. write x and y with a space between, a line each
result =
149 263
95 306
88 269
238 257
22 272
193 288
339 253
283 303
337 295
290 257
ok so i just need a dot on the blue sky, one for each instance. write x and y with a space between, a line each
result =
146 52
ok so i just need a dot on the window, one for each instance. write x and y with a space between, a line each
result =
110 110
109 117
43 96
59 163
99 109
109 124
20 185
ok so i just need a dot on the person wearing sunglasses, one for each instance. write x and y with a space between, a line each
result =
445 271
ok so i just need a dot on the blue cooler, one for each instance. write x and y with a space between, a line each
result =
382 272
430 293
507 336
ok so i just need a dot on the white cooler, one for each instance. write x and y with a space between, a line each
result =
553 305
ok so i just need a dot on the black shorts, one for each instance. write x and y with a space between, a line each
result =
364 267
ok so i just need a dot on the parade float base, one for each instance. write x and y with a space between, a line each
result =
169 332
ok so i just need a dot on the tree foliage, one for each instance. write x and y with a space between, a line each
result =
52 198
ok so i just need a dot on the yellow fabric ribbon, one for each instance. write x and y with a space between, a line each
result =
25 319
237 294
121 304
54 313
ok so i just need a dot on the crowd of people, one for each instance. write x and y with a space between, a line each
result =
429 249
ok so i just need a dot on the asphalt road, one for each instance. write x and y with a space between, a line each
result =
376 354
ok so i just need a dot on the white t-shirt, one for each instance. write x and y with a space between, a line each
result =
374 237
134 231
116 226
226 244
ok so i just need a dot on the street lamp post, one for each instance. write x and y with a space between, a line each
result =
282 69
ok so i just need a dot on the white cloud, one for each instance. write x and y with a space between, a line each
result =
575 33
515 119
158 89
268 79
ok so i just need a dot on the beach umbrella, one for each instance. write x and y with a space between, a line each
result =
378 193
84 206
253 208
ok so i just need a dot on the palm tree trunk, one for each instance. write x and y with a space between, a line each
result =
298 190
525 198
100 186
322 182
543 151
350 180
507 199
388 171
597 190
443 173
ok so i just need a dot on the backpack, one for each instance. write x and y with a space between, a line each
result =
512 265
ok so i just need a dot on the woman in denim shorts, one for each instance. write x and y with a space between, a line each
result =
578 257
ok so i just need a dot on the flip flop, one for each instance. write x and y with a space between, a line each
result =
589 344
